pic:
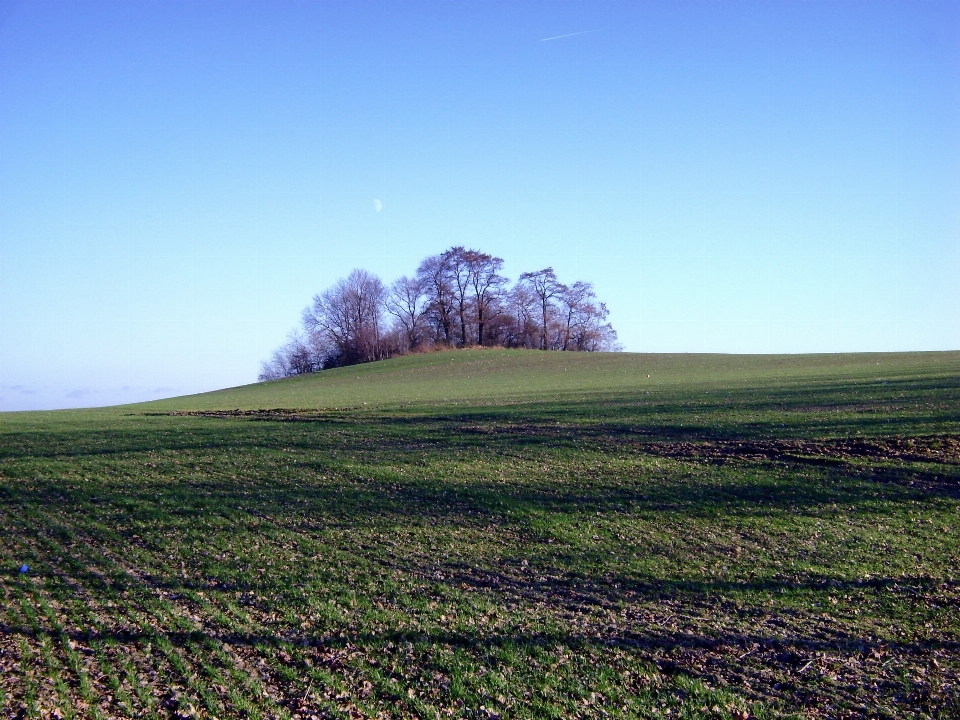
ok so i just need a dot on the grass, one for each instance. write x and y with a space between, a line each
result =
491 534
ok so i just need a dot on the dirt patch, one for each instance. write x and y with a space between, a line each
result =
278 414
944 449
940 448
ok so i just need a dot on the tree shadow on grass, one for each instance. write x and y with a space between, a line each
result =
351 496
667 414
359 502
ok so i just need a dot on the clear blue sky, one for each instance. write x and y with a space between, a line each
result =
177 179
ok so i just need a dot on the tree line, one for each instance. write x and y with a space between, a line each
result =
456 299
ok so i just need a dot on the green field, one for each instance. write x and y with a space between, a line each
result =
495 534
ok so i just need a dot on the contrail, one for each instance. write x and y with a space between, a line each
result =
557 37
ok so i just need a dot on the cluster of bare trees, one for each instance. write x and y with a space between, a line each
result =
455 299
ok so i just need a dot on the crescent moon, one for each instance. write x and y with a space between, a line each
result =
377 205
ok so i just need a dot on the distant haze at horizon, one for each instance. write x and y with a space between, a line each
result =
178 179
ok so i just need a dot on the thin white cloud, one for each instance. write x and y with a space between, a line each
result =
22 389
80 393
558 37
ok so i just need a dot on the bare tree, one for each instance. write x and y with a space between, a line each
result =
302 353
458 268
408 302
544 285
276 367
524 327
434 274
589 329
576 303
350 316
487 286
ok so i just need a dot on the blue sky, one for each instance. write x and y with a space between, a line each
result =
177 179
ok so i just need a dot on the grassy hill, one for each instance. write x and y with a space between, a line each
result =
482 377
491 534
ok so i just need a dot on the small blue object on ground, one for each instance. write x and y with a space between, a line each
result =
24 568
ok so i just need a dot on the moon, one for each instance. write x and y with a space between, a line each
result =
377 205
